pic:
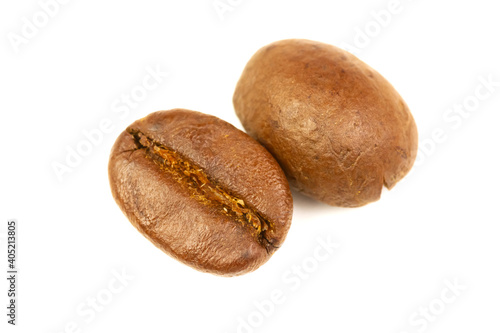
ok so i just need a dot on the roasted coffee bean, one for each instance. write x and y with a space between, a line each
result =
201 190
339 130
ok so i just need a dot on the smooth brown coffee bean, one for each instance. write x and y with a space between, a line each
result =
201 190
339 130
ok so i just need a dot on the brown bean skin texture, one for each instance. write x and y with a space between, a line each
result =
339 130
194 229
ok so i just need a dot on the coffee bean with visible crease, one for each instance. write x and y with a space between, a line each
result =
201 190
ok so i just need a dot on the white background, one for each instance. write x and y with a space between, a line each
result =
395 255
